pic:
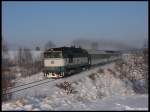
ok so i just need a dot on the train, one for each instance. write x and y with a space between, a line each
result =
64 61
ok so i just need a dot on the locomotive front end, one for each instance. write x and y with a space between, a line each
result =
53 64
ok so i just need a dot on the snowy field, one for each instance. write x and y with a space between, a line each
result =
105 92
134 102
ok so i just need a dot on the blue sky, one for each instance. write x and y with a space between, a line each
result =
34 23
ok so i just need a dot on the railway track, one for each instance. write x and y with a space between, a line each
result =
26 86
22 84
21 87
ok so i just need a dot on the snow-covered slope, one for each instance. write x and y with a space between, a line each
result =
104 84
102 91
134 102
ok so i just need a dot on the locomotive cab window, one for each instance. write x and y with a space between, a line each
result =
53 55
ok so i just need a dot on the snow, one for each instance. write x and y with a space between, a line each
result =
35 77
132 102
84 84
104 92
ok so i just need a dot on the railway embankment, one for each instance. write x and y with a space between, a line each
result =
118 79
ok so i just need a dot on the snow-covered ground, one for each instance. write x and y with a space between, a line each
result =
103 92
132 102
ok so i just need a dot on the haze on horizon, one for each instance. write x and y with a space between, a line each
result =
111 24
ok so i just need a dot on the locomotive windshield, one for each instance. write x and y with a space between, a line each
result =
53 55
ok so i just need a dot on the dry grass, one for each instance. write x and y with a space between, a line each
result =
100 71
100 95
67 87
61 86
92 76
111 71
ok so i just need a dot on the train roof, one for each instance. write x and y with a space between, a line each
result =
62 48
67 49
74 49
95 52
101 51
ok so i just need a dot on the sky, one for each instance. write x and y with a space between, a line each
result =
34 23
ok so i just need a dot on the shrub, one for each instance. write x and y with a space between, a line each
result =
67 87
92 76
111 71
100 71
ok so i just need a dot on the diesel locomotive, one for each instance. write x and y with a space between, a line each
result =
63 61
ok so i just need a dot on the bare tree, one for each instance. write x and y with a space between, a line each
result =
20 57
24 57
37 48
49 44
5 60
4 53
75 43
84 43
25 61
94 45
4 47
135 70
145 51
27 56
6 79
